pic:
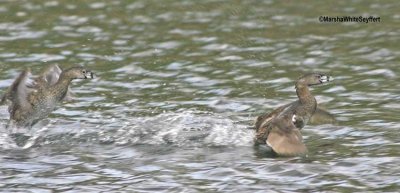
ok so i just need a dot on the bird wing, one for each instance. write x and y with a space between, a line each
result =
49 76
22 89
264 119
322 116
18 92
286 140
263 123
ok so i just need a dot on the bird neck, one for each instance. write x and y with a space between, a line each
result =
304 94
61 87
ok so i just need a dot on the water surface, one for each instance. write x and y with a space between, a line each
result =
178 83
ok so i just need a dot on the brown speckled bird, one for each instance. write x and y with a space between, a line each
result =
34 99
280 129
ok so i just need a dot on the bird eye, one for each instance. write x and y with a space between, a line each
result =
318 76
84 71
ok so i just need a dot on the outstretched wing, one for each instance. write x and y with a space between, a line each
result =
264 119
49 76
263 123
285 139
18 92
322 116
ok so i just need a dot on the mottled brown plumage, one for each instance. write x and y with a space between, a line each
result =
280 129
35 100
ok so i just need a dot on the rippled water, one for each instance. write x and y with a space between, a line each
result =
179 83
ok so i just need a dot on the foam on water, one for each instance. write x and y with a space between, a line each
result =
187 128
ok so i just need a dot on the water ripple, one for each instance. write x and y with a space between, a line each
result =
178 84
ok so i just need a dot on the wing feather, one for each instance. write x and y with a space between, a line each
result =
18 92
50 76
286 140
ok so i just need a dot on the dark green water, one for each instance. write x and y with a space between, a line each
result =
179 82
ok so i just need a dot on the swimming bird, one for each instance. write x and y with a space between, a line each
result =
280 129
33 99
